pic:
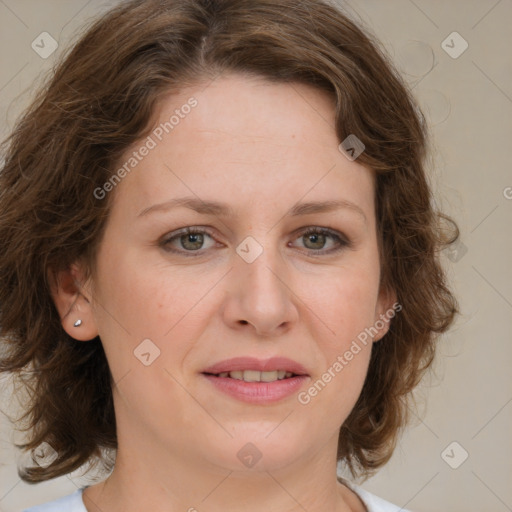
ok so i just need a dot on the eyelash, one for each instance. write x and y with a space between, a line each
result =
342 241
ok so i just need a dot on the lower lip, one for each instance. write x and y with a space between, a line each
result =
258 392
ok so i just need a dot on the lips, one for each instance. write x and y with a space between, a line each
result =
257 381
240 364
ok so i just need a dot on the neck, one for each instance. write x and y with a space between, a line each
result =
147 478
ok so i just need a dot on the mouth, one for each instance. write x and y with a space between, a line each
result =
255 380
251 369
254 375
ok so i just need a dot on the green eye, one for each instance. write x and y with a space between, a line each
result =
316 239
190 241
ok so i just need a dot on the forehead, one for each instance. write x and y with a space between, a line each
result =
245 139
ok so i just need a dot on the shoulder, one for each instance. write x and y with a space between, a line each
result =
70 503
373 503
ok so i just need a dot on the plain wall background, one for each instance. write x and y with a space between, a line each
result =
468 101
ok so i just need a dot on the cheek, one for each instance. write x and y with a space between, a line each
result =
136 293
345 302
139 301
333 393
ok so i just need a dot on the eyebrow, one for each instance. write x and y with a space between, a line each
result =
224 210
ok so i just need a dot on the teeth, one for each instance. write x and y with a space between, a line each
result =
268 376
252 376
256 376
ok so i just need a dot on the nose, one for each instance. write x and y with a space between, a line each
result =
260 296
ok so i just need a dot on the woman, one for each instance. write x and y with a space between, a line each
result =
220 259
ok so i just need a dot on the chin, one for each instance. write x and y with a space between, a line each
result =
258 448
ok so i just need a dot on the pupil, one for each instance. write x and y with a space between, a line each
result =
316 238
195 239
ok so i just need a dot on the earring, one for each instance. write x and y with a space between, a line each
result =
78 323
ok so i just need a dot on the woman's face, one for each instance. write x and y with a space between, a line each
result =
248 283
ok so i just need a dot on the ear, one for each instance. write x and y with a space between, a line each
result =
73 302
386 309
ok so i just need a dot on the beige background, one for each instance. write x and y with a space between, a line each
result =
468 100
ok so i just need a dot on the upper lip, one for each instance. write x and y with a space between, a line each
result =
252 363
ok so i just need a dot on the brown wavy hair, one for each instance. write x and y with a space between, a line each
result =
101 98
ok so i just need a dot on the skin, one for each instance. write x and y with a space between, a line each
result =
261 148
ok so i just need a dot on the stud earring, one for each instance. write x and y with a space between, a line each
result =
78 323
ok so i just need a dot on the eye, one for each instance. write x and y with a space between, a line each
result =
187 240
191 240
316 238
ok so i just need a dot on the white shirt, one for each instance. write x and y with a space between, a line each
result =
74 503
